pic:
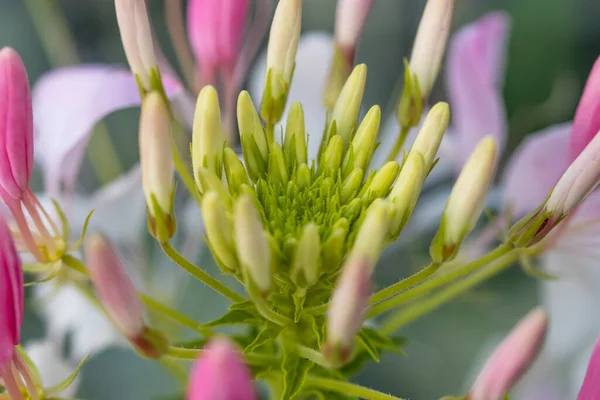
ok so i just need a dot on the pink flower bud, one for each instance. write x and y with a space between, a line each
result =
11 295
511 358
215 29
587 117
113 286
16 126
136 36
348 303
350 17
220 373
590 389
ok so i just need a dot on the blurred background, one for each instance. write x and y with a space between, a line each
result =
552 47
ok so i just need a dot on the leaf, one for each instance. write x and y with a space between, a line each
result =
382 342
298 304
68 381
235 317
294 371
369 346
243 305
268 333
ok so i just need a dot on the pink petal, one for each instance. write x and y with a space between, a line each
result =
586 123
67 103
535 167
590 389
475 78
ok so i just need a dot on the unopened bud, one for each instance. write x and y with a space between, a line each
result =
347 107
211 182
281 58
253 138
155 154
305 267
405 192
365 140
136 36
234 170
372 234
332 157
304 176
219 230
295 136
114 287
430 136
512 358
346 310
351 185
466 201
277 169
252 244
207 138
379 186
430 43
334 247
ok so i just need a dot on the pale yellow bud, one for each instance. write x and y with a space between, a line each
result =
430 136
405 192
284 37
372 234
219 230
306 264
347 107
365 140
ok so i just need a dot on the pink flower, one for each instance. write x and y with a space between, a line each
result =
590 390
586 123
16 126
215 29
511 358
220 373
350 17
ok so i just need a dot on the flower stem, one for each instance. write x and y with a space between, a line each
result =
312 355
175 315
409 314
199 274
266 311
347 388
192 354
404 284
444 279
399 143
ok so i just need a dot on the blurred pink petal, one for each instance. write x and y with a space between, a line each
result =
67 103
590 390
535 167
475 72
586 123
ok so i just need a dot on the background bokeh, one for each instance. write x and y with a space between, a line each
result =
552 47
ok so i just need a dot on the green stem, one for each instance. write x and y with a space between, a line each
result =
404 284
347 388
267 312
399 143
192 354
312 355
60 48
436 282
175 315
199 274
270 132
409 314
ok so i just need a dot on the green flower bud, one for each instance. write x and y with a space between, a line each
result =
234 170
347 107
249 124
334 248
305 266
277 172
219 230
304 176
430 136
365 140
379 186
295 137
371 236
332 157
210 182
351 184
406 191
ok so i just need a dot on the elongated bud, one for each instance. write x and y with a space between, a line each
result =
155 154
577 183
234 170
215 30
219 230
305 267
136 36
372 234
253 138
16 126
589 388
430 43
430 136
220 373
352 184
334 247
114 287
295 136
281 58
207 138
405 192
382 181
304 176
586 123
365 140
512 358
466 201
11 301
346 310
252 243
332 157
347 107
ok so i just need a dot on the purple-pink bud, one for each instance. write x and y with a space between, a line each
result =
590 390
512 357
350 17
11 295
347 307
215 29
114 287
16 126
220 373
587 117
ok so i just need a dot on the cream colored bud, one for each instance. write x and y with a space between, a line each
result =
219 230
347 107
295 129
252 244
207 138
372 233
136 36
430 43
283 39
383 180
249 123
405 192
365 140
430 136
306 264
155 153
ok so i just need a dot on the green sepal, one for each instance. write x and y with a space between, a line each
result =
523 233
298 298
274 97
441 251
236 317
410 106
